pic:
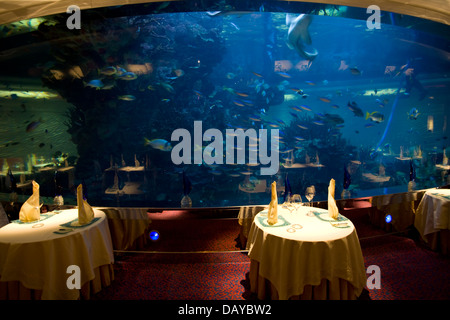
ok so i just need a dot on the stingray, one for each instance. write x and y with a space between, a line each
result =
298 35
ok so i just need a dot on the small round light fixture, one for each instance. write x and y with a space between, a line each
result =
154 235
388 218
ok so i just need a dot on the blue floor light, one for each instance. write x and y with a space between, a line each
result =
154 235
388 218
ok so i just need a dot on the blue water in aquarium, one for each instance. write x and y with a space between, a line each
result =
372 103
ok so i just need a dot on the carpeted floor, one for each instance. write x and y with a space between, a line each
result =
409 270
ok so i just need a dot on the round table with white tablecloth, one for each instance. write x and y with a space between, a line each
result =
306 255
35 256
432 219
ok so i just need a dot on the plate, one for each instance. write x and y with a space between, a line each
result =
38 225
63 230
280 223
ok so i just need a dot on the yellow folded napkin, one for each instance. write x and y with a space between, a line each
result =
85 212
332 207
31 209
272 213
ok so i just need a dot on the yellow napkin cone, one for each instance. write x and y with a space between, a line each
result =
85 212
332 207
31 209
272 214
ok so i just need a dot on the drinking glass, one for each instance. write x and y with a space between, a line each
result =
58 201
309 194
288 203
296 201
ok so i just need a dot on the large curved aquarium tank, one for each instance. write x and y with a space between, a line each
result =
144 104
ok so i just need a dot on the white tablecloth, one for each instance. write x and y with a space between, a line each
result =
432 214
302 250
37 257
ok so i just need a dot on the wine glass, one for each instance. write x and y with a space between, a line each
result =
288 203
296 201
310 193
58 201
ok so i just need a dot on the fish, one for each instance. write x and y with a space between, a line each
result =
108 71
230 75
335 106
297 90
159 144
127 97
127 76
318 122
238 103
41 145
255 117
284 75
235 26
310 83
295 108
293 114
375 116
325 99
355 109
120 71
33 125
302 127
168 87
298 36
242 94
355 71
333 118
305 107
413 114
257 74
198 93
96 83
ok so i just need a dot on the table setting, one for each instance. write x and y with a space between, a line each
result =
303 252
37 249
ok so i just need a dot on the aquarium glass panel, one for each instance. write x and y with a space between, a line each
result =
180 105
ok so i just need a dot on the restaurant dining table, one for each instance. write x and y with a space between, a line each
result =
35 257
129 227
432 219
305 255
246 216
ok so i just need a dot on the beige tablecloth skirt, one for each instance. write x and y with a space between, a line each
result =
15 290
432 220
128 226
402 208
338 289
245 219
439 241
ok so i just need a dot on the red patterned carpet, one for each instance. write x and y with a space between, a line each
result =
409 270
